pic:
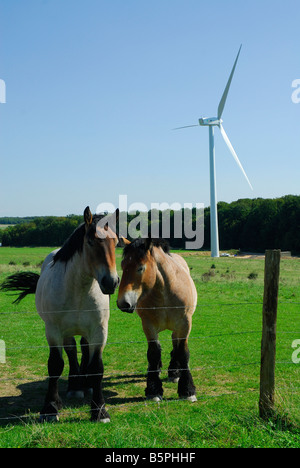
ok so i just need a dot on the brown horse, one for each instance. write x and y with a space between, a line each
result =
158 285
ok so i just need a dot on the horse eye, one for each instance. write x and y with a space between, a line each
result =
141 268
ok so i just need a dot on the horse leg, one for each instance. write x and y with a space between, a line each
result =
173 370
95 376
75 381
186 387
85 358
52 401
154 390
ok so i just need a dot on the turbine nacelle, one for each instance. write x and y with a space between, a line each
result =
210 121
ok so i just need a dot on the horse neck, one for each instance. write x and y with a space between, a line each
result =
76 273
163 269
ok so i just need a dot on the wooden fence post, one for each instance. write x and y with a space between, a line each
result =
268 343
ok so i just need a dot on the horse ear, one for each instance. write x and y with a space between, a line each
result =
88 217
148 243
115 218
123 242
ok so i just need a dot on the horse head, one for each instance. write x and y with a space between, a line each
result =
100 242
139 273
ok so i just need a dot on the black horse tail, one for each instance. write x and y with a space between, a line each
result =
24 283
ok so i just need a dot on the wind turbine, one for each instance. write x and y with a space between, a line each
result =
212 122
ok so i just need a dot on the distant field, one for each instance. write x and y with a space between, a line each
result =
5 226
225 362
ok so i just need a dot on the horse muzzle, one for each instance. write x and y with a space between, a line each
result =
125 307
128 302
109 284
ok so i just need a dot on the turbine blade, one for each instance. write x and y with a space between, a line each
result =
187 126
226 139
225 94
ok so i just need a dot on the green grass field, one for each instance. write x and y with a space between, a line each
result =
225 363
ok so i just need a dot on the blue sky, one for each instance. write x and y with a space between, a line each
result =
94 88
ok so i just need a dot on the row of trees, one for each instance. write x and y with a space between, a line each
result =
16 220
45 231
261 224
256 225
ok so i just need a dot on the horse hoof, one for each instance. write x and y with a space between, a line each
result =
156 398
105 420
49 418
100 415
191 398
77 394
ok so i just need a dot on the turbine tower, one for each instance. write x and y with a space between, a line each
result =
212 122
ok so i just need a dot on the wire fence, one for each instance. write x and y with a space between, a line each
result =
199 307
137 374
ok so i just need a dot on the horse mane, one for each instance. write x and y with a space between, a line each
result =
74 243
161 243
140 246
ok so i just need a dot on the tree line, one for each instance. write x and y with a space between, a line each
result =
260 224
16 220
247 224
40 232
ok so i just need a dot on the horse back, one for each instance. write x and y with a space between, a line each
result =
48 260
181 261
183 285
177 288
49 293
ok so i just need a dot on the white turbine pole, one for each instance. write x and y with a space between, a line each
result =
212 122
214 231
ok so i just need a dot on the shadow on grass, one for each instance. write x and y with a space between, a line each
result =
25 404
